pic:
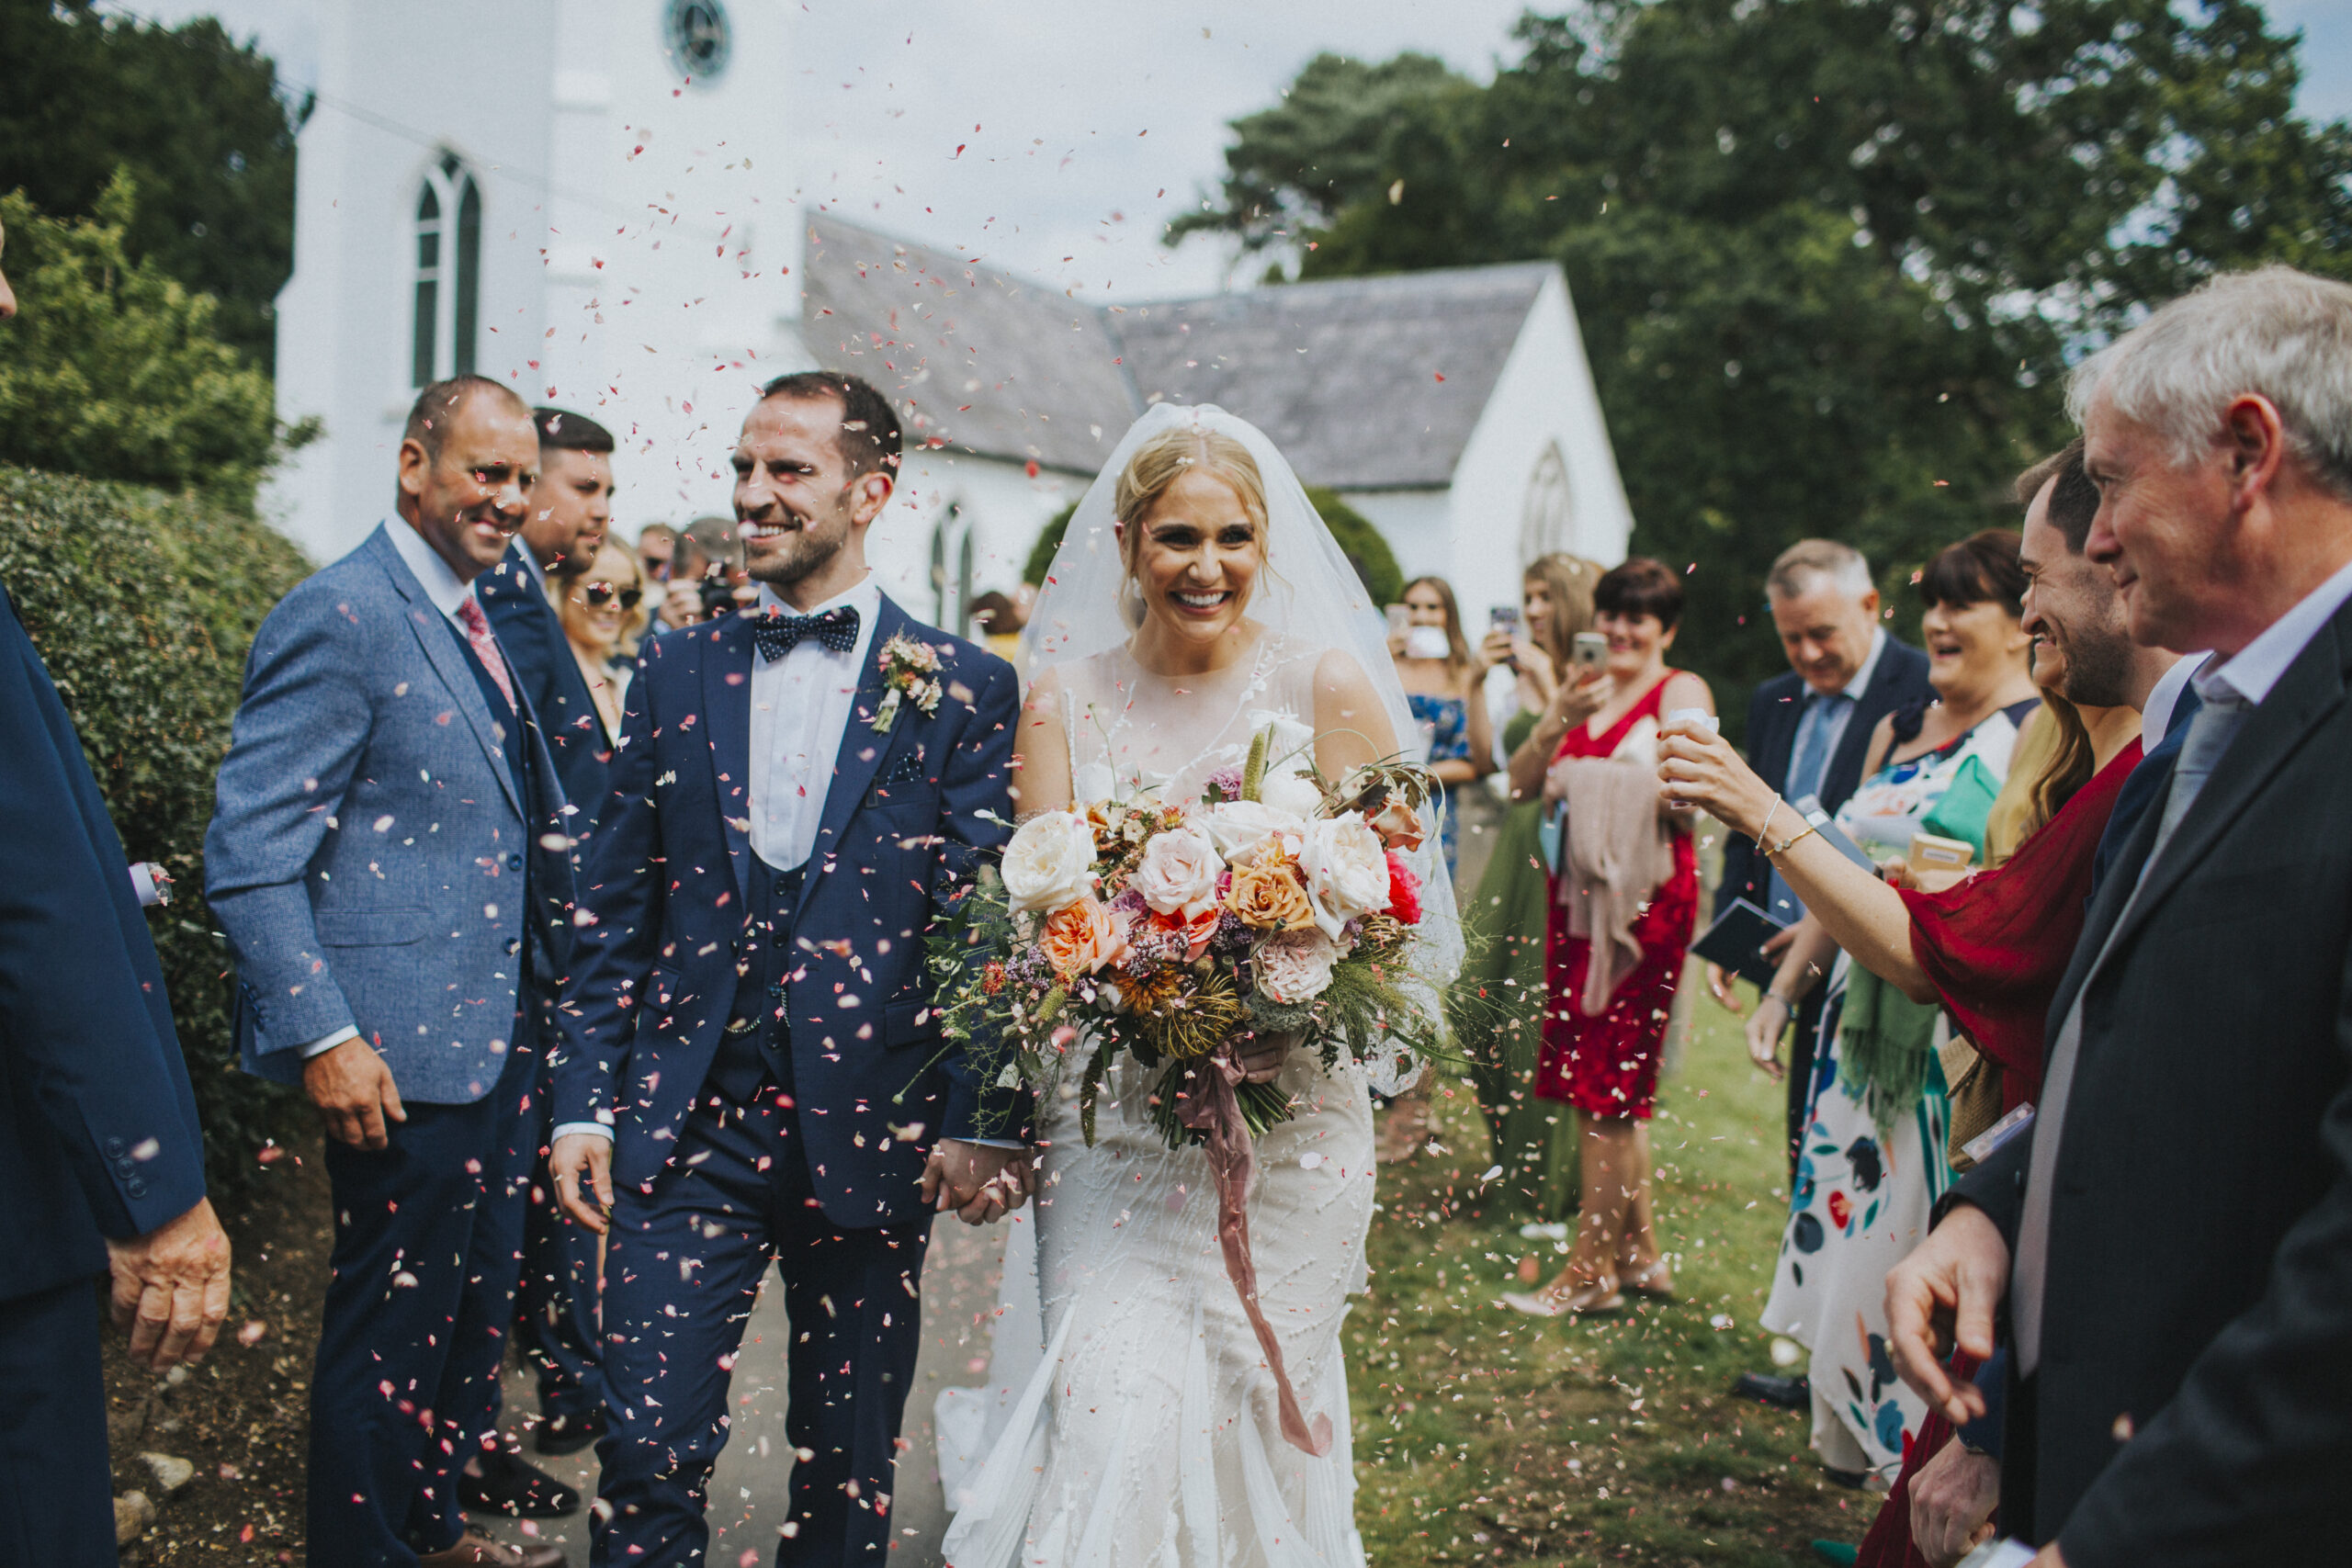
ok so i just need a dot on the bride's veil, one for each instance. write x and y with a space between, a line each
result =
1307 592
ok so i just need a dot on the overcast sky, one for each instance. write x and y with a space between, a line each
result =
1085 124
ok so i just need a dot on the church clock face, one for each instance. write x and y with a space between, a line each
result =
695 32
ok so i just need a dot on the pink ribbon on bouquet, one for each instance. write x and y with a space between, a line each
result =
1212 1106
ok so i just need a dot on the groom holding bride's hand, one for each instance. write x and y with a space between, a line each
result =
751 1065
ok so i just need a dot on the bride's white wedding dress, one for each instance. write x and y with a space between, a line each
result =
1147 1436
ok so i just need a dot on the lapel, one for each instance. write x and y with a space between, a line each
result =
727 723
859 757
2310 691
1844 773
433 635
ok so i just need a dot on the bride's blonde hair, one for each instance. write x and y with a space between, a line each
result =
1155 467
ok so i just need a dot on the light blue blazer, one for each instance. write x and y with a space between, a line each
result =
369 848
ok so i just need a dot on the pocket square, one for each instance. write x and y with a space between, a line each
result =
907 768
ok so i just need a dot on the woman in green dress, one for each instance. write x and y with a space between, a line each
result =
1495 1010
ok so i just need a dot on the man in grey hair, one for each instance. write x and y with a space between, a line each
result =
2174 1239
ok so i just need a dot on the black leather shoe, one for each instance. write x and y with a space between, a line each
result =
512 1485
1789 1393
561 1435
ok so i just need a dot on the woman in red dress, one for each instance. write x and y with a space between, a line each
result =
1629 881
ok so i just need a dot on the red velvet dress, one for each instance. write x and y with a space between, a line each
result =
1608 1065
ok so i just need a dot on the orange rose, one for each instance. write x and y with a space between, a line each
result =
1082 938
1265 894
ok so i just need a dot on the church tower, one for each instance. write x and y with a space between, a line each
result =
590 200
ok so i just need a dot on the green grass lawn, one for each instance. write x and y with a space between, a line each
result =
1484 1437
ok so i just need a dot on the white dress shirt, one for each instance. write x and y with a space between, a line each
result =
1837 716
2156 714
446 590
801 706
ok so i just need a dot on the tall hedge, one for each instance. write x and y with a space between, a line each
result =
144 605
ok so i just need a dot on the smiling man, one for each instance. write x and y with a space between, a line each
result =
389 859
2174 1236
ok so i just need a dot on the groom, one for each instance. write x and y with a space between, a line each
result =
751 1067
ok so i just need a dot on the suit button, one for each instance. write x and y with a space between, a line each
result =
514 861
135 1187
114 1149
514 945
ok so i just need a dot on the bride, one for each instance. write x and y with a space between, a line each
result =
1196 599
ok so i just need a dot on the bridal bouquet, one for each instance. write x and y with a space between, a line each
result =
1177 932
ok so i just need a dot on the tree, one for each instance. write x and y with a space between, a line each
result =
115 371
197 119
1831 257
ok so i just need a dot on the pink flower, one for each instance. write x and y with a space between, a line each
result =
1399 826
1082 938
1404 890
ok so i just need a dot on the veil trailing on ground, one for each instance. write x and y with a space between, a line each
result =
1308 592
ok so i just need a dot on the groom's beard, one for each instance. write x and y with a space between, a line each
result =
807 548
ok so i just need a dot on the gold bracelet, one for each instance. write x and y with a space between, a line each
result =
1792 838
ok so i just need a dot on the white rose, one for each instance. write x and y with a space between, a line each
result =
1239 824
1178 873
1293 792
1049 864
1347 870
1295 966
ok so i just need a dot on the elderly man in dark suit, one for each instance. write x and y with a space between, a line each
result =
2174 1240
100 1156
1807 733
571 510
389 858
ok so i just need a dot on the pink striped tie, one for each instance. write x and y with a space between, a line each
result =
485 646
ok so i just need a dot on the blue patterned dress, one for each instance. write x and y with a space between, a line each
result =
1449 721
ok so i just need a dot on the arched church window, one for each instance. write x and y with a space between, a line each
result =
1544 520
449 268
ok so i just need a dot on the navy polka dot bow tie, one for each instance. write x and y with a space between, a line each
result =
779 634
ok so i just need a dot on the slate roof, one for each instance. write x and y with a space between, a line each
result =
1344 375
998 365
1364 383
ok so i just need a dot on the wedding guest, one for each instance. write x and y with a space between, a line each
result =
2172 1240
604 612
655 543
100 1155
1990 948
1444 682
1873 1160
1495 1008
387 858
1625 896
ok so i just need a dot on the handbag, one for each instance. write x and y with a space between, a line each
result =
1973 1094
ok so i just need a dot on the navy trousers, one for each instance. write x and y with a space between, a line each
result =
428 1248
56 1483
680 1275
556 1305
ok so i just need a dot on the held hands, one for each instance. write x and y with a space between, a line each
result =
1945 1290
171 1288
354 1092
1261 1056
981 1181
1764 1031
581 1164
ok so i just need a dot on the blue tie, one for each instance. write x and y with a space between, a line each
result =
1813 760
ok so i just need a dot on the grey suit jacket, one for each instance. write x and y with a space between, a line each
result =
370 850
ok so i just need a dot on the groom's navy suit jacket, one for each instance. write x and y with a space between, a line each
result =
663 902
98 1128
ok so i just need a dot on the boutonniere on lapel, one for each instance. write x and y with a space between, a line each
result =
910 674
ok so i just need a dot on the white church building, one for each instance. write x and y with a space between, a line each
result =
595 201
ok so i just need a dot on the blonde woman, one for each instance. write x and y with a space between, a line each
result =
1196 600
602 611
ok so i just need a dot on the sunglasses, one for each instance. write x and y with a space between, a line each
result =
599 594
